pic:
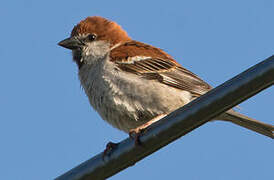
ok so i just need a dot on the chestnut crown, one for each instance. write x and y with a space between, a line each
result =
102 28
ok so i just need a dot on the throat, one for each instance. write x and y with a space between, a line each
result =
77 57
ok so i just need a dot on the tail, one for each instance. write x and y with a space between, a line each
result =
249 123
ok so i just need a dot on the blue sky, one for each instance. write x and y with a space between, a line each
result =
48 127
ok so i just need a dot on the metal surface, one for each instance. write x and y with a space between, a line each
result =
178 123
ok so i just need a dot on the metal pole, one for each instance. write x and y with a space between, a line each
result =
178 123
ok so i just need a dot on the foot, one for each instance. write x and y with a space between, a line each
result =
135 134
109 148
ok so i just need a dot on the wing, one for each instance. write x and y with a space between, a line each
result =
153 63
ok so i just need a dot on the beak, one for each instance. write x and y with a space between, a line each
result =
71 43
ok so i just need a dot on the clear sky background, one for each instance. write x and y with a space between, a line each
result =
48 127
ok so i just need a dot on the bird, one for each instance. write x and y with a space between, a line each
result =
132 84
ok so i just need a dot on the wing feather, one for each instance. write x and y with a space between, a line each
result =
155 64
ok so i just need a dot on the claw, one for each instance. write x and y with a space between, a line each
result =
109 148
135 134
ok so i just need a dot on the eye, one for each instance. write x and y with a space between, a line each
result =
91 37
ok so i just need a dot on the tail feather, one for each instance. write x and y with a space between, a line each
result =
249 123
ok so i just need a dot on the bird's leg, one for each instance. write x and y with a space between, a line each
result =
137 132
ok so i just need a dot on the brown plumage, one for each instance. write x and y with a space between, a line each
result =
103 28
132 84
157 65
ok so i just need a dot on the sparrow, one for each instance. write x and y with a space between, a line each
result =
132 84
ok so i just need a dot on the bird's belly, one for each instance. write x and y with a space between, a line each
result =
127 101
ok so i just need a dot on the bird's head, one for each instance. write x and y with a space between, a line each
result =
93 37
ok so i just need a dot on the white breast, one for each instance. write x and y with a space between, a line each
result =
126 100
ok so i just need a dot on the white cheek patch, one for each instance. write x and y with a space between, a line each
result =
96 49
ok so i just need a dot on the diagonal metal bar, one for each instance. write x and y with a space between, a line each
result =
178 123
